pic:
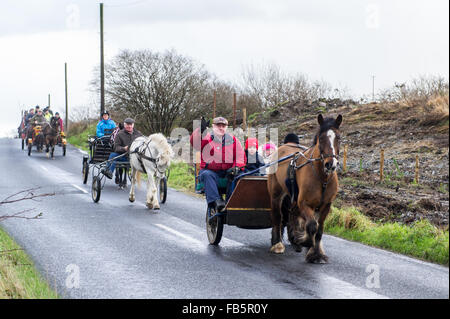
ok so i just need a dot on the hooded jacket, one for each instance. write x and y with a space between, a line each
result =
105 125
218 154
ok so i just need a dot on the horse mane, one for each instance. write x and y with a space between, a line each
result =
162 146
327 124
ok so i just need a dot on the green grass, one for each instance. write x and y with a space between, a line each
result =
18 277
81 140
421 240
181 177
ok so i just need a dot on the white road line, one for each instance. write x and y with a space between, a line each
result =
333 288
177 233
81 189
44 168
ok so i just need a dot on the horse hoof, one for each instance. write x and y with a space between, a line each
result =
278 248
316 258
156 208
149 206
131 199
297 248
48 155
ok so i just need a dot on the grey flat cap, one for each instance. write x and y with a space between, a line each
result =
128 120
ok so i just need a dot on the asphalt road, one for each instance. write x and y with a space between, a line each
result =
118 249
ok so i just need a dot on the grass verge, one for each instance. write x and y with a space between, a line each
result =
18 277
421 240
181 177
80 140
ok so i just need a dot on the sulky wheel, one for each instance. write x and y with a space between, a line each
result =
162 192
214 226
30 145
85 171
96 189
23 143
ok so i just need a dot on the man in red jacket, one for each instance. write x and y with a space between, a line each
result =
220 152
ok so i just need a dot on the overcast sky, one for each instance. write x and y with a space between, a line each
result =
343 42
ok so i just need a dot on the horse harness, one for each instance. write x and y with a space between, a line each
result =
141 155
292 167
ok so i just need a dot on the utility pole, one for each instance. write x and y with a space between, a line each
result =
234 111
214 105
67 104
373 88
102 65
48 101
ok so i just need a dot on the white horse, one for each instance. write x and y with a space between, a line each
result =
149 155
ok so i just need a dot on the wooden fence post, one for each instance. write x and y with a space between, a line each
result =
381 164
417 170
345 158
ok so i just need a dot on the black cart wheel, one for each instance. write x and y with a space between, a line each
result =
85 171
162 192
96 189
214 227
23 143
30 145
64 150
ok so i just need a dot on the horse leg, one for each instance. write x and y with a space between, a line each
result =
275 215
310 225
316 253
131 197
295 229
155 193
152 201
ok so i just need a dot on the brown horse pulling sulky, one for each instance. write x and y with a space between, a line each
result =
302 190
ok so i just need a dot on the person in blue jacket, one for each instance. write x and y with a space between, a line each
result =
106 125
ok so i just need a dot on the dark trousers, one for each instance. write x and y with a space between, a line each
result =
211 181
112 165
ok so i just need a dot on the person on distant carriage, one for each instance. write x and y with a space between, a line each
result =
29 116
60 121
105 126
122 143
254 160
37 119
221 154
47 114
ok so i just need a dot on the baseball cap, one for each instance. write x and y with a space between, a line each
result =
220 120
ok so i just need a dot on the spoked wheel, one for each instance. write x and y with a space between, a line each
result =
96 189
85 171
214 227
23 143
30 145
162 191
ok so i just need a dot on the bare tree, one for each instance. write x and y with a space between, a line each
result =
154 88
268 85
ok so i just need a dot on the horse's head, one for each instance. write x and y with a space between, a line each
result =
329 140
